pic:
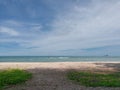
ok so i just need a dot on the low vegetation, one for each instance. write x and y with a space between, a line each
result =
95 79
13 77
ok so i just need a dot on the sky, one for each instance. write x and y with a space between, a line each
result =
59 27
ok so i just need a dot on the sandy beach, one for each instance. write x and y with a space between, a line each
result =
52 75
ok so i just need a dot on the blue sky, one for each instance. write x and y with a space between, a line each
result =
59 27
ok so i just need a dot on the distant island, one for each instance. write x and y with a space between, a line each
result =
106 55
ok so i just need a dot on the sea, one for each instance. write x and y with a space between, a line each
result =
59 58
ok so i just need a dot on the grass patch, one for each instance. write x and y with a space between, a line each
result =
13 77
94 79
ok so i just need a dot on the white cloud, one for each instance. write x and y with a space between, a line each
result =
79 28
96 25
8 31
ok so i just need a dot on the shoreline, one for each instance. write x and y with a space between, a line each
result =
69 62
101 66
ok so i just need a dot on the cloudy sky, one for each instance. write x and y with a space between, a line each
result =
60 27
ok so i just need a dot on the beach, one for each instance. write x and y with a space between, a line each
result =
52 75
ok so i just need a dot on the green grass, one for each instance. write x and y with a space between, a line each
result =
90 79
13 77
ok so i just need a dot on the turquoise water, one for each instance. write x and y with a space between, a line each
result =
56 58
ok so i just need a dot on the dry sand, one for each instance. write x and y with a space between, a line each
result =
52 75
